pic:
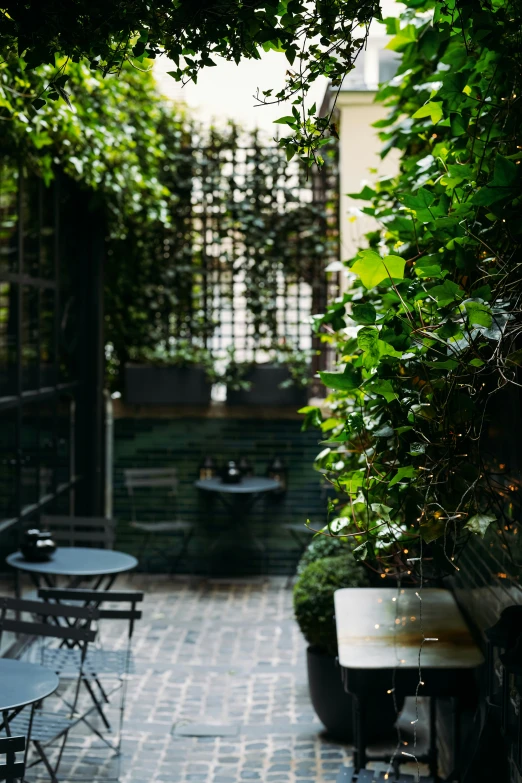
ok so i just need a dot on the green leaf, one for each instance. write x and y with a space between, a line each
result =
404 37
342 381
479 314
382 511
431 109
421 200
383 432
367 340
38 103
403 473
446 293
502 186
361 552
447 364
288 120
515 358
384 388
479 523
363 313
432 529
372 269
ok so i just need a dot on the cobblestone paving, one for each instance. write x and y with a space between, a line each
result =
225 659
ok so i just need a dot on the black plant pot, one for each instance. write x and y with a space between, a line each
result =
150 385
333 706
265 381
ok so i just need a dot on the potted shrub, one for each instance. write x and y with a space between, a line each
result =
314 612
282 381
182 375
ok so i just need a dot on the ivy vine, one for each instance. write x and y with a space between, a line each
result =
427 333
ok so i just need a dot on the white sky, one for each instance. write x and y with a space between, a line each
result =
227 91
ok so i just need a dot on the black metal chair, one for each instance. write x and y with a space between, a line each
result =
68 625
104 671
12 769
348 775
139 479
81 531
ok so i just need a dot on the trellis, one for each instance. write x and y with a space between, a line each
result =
245 258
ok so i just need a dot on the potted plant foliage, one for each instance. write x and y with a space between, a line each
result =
181 375
319 576
281 381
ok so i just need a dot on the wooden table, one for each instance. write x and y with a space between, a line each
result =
380 629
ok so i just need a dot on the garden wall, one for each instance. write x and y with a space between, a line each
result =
149 437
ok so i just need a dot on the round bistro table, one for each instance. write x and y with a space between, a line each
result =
21 685
238 499
76 563
247 486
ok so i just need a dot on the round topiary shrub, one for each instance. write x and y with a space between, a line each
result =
323 546
314 597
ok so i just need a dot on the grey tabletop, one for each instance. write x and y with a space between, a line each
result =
77 561
24 683
246 486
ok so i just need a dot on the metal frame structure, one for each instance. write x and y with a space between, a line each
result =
51 350
246 254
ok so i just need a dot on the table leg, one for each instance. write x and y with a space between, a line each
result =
455 731
433 754
359 730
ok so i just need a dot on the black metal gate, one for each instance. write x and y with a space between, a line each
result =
51 352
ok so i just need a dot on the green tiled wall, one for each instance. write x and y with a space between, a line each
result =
182 443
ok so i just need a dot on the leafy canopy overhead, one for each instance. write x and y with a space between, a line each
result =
320 38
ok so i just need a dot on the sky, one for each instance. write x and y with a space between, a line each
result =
227 91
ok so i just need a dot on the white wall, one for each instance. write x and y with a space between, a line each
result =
359 163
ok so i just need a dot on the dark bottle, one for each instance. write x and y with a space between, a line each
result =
231 474
37 545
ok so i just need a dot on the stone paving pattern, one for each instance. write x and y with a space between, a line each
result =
226 659
229 655
222 659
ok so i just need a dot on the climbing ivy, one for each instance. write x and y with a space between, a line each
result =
427 333
115 137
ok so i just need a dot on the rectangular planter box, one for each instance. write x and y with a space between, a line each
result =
265 380
150 385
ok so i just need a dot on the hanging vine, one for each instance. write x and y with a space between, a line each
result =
427 334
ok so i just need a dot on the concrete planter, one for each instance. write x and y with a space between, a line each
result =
333 706
265 380
150 385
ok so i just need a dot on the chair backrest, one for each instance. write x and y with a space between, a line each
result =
81 531
151 477
123 602
71 624
12 768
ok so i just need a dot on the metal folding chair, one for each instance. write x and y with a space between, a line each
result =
69 625
348 775
139 479
104 671
12 769
81 531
